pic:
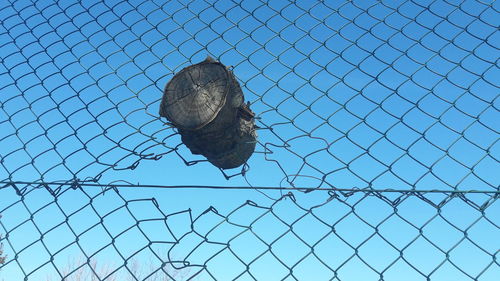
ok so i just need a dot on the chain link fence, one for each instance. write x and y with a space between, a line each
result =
377 153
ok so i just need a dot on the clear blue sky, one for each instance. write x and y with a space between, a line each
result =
350 94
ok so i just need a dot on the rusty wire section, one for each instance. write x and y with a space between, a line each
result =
358 97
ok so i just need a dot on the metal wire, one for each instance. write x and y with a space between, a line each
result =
77 184
378 118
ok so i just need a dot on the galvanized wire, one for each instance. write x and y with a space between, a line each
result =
191 246
362 105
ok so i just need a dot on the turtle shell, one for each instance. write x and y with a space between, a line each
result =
196 94
245 139
227 148
206 104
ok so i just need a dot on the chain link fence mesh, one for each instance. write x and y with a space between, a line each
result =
377 153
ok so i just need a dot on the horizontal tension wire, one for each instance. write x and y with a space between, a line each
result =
249 187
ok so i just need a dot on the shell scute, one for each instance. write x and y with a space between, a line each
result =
195 95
